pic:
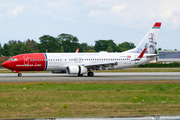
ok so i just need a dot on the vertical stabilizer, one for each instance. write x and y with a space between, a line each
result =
149 41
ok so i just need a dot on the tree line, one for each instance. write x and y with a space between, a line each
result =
160 65
61 43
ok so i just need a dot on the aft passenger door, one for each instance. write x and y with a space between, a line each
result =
136 61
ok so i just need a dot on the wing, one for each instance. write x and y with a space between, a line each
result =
100 66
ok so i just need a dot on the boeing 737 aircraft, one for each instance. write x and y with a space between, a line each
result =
85 63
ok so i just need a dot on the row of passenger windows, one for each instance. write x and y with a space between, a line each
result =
45 59
98 59
117 59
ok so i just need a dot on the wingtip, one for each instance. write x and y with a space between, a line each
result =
157 24
77 51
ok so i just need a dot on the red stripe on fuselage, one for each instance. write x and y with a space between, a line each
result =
28 62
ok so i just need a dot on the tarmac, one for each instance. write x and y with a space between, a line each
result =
98 76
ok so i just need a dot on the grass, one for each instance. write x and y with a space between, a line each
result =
79 99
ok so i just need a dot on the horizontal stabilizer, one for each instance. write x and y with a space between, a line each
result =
149 56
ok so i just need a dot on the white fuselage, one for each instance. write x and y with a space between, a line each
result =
60 61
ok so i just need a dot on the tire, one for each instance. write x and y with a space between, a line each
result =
19 74
90 74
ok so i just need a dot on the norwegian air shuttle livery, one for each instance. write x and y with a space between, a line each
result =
85 63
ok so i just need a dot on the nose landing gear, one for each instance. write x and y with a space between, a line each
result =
16 71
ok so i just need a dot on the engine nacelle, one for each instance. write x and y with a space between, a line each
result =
74 69
58 72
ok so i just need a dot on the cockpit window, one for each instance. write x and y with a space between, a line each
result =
12 59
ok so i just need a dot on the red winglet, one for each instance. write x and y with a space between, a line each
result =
157 24
141 55
77 51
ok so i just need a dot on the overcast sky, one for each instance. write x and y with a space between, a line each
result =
90 20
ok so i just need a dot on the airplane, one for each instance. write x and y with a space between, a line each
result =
85 63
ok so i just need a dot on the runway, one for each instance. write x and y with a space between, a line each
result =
107 76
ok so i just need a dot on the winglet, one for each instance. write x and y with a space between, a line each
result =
141 55
77 51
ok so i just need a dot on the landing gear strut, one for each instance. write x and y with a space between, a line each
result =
80 74
90 74
19 74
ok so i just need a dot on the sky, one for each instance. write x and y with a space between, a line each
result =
91 20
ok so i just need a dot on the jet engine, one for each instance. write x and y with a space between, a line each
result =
76 70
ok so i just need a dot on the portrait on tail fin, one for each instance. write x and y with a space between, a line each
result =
151 45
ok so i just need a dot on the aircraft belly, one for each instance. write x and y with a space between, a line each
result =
122 65
52 66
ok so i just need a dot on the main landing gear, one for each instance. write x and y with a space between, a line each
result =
90 74
19 74
80 74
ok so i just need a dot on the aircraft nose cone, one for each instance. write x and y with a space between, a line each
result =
5 64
